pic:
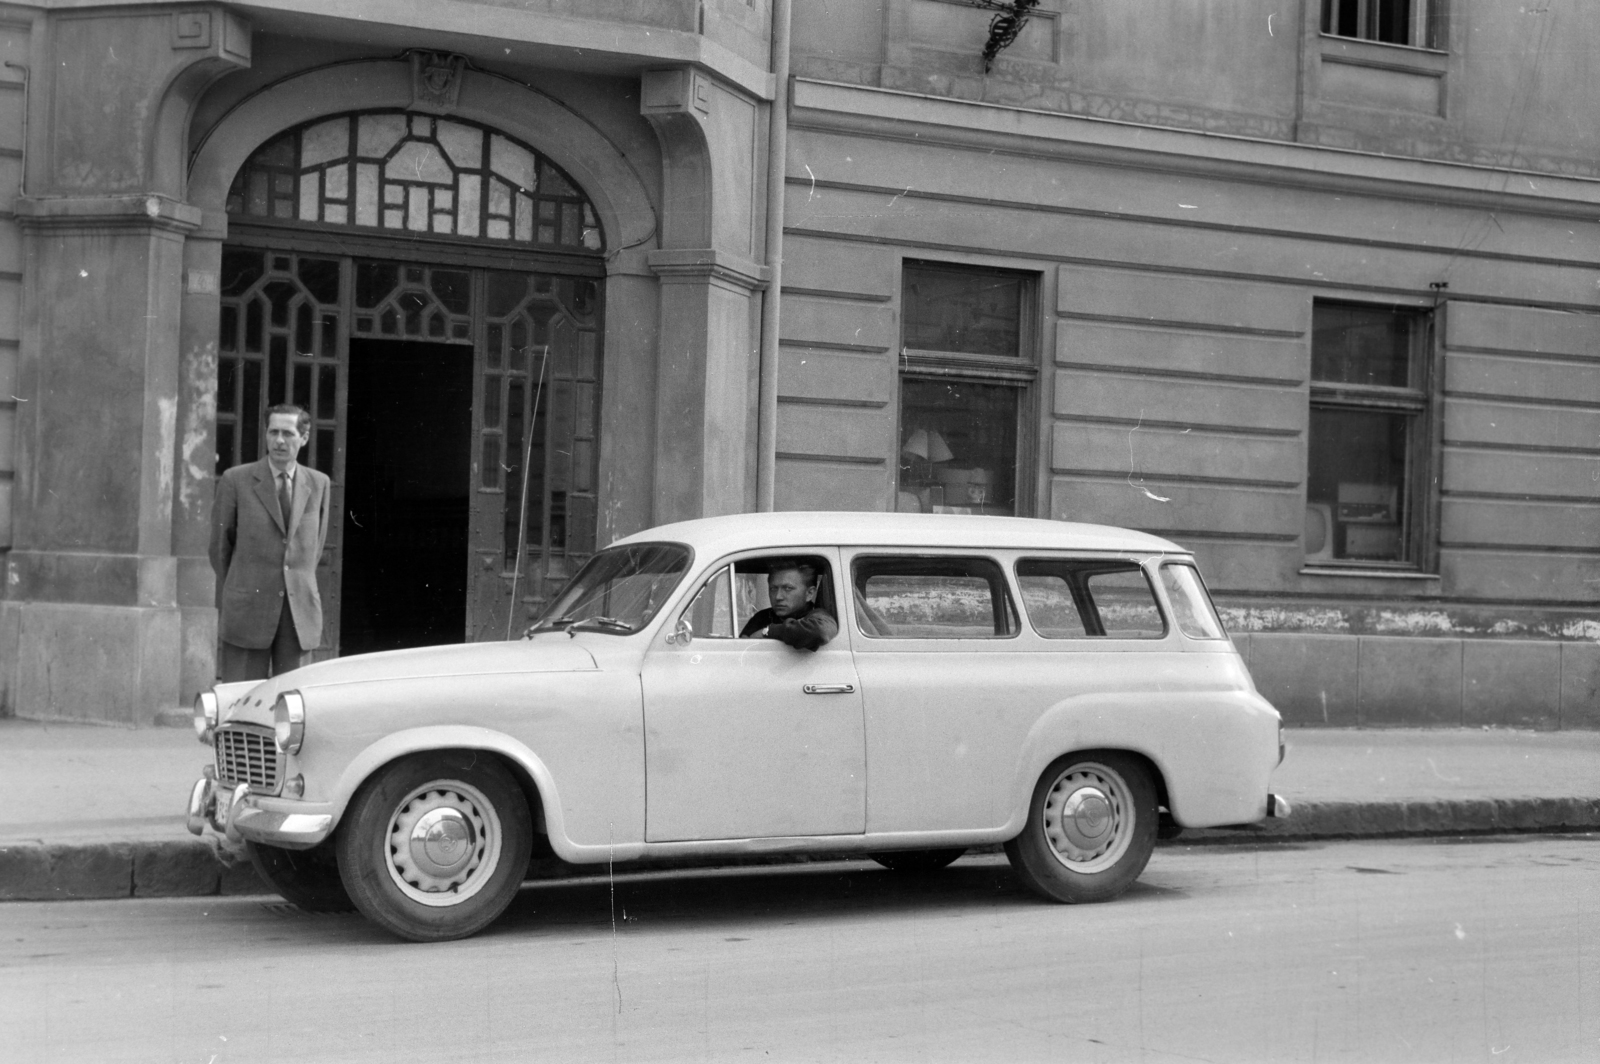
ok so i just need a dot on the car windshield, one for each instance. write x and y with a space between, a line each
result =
618 590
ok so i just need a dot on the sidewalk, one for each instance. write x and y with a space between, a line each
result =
88 812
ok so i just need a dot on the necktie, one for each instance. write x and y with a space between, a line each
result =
284 504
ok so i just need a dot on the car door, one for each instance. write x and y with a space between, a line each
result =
942 658
750 738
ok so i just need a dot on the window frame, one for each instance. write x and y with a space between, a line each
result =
1020 373
1000 580
1428 37
1421 403
730 564
1176 621
1083 600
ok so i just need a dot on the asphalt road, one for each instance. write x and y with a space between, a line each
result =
1418 950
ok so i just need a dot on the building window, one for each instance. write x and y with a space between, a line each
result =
1409 22
1369 446
967 369
416 174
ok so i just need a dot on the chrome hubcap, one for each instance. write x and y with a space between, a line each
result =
444 842
1087 819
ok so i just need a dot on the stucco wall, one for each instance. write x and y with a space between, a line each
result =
1498 90
16 41
1176 303
16 37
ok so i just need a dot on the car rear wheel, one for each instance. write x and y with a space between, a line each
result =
308 878
1091 828
434 846
913 862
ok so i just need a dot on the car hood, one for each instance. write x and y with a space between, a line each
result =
545 654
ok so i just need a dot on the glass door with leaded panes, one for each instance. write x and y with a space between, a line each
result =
287 326
539 408
281 340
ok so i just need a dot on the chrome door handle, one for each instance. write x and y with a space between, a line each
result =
829 688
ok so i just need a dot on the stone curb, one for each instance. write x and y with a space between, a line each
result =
1457 816
41 871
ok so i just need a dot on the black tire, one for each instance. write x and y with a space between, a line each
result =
1091 828
307 878
916 862
434 846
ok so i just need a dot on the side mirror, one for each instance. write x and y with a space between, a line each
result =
683 634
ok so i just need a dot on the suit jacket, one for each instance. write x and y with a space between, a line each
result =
259 561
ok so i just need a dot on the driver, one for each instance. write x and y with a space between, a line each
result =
794 616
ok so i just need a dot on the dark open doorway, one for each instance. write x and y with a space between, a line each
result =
408 477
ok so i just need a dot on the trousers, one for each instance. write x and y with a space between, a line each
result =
257 663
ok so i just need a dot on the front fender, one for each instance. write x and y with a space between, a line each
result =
466 737
1215 751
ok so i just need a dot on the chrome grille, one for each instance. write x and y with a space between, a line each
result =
247 754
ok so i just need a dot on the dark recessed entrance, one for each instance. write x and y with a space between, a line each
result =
408 476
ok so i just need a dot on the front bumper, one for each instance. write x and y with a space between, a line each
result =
240 816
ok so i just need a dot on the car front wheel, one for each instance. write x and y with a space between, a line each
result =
1091 828
307 878
434 846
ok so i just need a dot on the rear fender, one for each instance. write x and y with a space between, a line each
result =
1213 752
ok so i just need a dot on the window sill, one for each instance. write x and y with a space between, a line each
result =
1366 574
1401 50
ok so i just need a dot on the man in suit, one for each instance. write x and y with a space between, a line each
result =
268 526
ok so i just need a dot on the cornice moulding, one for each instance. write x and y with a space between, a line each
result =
836 107
688 265
149 211
614 42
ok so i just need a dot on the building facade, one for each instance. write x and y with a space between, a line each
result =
1308 285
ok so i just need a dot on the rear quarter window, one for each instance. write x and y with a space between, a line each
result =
1068 598
1191 605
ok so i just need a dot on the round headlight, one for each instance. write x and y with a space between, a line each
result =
289 721
205 716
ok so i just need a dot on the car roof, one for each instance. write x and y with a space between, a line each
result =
800 528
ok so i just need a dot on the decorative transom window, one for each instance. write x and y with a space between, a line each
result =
418 174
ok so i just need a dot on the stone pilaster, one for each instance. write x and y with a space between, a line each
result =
91 578
705 383
108 514
707 344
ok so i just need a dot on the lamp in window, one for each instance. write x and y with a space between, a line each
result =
929 446
919 488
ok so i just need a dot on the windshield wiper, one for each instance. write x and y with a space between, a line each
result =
599 624
559 622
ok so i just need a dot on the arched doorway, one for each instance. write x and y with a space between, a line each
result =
432 291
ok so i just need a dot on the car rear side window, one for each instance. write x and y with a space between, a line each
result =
1191 606
898 597
1073 598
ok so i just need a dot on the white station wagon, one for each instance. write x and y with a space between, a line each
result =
1064 689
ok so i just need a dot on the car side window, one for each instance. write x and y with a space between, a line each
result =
1069 598
734 595
899 597
1191 606
710 612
